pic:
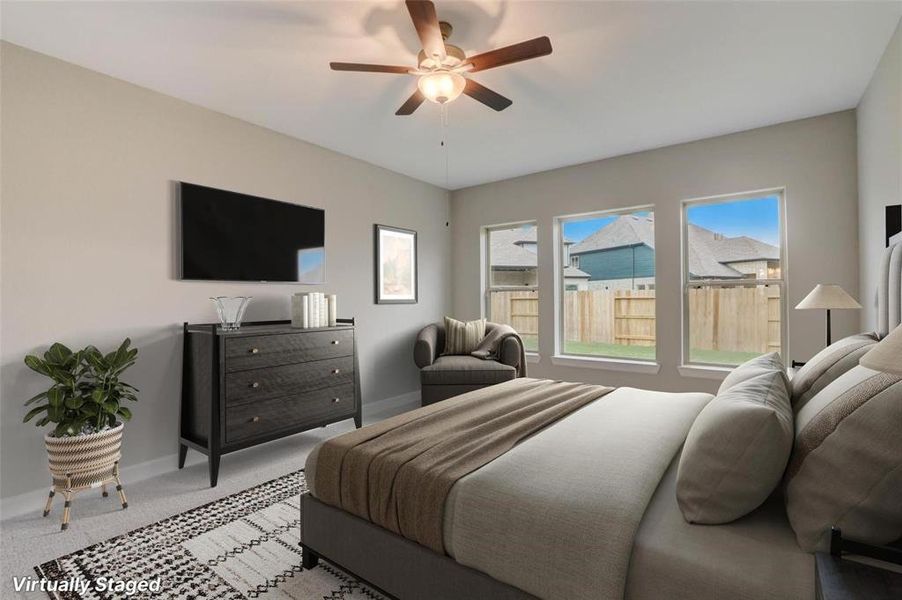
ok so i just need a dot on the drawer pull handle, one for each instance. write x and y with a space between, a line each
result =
336 400
255 385
335 342
254 350
255 420
336 371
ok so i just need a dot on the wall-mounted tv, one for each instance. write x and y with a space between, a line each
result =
227 236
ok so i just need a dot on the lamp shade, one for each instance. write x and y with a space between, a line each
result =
886 356
828 296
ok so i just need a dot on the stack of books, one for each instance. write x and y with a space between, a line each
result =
314 309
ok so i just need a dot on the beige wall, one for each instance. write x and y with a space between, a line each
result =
815 159
879 167
88 240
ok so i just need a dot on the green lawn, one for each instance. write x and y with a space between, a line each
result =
613 350
717 357
530 343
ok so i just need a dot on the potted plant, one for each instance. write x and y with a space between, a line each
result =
85 406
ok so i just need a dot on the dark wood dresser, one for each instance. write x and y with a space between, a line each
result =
264 381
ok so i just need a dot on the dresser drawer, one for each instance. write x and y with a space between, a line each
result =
257 419
253 352
272 382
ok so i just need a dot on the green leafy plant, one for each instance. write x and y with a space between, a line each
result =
87 394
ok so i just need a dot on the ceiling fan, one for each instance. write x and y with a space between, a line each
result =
441 67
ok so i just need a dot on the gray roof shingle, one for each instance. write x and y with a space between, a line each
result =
709 253
507 253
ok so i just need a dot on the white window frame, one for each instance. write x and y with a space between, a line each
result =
487 286
712 370
595 361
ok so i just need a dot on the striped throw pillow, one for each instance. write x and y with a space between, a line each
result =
462 337
846 466
827 365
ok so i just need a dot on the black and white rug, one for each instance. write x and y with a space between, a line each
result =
242 546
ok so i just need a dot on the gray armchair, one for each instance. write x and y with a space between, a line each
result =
442 377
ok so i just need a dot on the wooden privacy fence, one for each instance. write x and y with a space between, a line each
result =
520 310
744 319
741 319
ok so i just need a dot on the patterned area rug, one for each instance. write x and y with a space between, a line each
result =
242 546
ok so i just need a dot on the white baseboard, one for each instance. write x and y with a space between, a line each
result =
391 406
33 501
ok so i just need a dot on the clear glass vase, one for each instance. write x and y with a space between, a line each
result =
231 310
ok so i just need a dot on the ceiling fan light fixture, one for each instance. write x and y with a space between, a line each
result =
441 87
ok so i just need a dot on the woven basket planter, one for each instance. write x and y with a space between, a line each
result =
86 459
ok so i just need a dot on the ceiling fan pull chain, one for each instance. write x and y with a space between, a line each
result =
444 118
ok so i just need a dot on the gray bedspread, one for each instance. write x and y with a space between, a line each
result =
753 558
556 516
587 508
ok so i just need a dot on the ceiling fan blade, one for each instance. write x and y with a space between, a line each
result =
422 13
412 104
540 46
486 96
361 67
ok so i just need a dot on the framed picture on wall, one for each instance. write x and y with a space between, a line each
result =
893 224
396 265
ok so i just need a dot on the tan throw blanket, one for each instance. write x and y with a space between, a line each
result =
490 346
397 473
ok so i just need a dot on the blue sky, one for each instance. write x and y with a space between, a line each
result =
577 230
757 218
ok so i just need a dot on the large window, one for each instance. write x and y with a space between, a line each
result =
733 278
607 282
511 287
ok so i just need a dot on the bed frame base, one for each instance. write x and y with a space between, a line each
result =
394 566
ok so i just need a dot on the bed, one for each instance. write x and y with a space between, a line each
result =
614 531
582 508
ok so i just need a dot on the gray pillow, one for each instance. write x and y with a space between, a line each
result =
846 467
736 450
827 365
766 363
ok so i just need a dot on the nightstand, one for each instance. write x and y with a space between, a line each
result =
843 579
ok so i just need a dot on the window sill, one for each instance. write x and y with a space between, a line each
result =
533 357
610 364
704 372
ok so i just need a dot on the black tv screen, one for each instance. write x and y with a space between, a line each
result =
227 236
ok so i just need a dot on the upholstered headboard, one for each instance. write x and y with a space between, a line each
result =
889 291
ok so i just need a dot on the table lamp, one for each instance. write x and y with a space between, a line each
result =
886 356
827 296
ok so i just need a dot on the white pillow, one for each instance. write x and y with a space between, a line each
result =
766 363
736 450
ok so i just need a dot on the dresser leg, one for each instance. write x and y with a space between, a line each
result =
309 559
214 469
358 421
183 452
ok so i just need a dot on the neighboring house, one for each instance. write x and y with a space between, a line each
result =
621 255
513 253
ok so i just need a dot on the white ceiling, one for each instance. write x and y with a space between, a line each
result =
624 76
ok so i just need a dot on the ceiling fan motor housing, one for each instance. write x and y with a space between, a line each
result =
454 58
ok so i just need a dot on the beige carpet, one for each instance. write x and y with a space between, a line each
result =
30 540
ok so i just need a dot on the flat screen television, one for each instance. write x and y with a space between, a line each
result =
227 236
